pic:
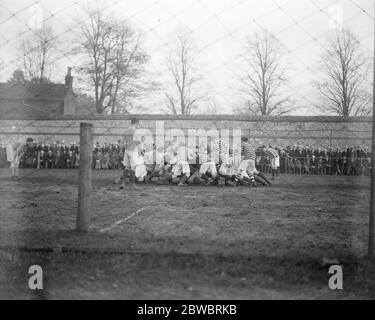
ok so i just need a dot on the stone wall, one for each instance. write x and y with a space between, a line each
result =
281 131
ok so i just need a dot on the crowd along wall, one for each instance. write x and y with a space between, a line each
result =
277 131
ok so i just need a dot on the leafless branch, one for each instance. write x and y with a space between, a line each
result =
344 69
39 52
185 93
264 77
114 61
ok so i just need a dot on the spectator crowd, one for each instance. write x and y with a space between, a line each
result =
322 161
63 156
293 159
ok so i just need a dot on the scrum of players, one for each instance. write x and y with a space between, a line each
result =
211 163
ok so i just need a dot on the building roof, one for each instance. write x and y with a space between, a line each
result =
32 101
16 91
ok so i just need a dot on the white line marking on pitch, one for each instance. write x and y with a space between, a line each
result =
123 220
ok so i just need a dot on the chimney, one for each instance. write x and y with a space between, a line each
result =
69 78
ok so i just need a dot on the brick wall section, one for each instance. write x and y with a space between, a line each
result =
281 131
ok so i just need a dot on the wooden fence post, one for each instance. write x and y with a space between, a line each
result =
371 245
85 177
38 161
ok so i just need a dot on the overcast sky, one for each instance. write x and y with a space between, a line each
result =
218 28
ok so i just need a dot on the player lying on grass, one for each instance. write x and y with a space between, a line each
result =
163 175
176 169
15 152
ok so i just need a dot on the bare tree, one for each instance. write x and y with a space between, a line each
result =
17 77
344 71
185 92
213 107
85 104
39 54
114 61
264 80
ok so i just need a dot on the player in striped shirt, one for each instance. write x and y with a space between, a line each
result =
247 168
223 161
226 168
275 159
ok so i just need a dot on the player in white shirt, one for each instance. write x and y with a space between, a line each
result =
15 152
228 170
275 160
131 149
208 160
140 166
154 161
180 166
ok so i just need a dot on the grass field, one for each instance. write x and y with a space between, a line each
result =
185 243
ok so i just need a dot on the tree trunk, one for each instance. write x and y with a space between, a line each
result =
99 108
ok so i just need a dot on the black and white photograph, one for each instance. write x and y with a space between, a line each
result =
186 156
